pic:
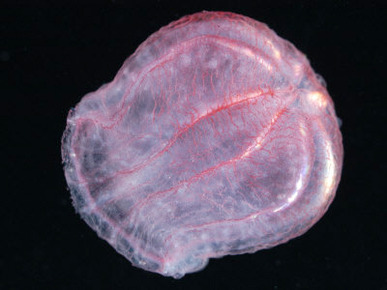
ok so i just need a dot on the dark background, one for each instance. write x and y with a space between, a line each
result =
52 54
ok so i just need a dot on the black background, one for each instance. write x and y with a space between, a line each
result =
52 54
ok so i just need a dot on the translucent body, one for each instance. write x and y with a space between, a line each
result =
215 138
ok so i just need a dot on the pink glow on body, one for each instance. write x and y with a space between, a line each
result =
216 137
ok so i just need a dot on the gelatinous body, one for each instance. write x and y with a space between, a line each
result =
216 137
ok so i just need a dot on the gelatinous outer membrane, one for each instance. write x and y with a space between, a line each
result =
215 138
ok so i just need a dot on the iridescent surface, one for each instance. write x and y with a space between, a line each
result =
216 137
